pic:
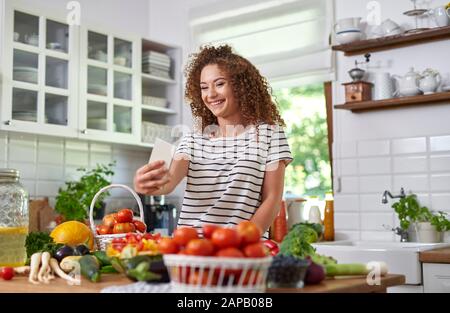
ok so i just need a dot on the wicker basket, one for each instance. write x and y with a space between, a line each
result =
102 241
217 274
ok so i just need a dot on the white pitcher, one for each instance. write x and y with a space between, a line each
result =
430 81
408 85
440 16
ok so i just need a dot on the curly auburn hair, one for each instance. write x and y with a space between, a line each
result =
250 88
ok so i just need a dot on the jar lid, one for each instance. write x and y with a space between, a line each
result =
8 172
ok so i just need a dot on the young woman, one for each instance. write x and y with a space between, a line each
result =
235 159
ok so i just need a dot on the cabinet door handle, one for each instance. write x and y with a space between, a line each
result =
84 131
8 122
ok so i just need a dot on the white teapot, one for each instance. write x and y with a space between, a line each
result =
408 85
430 81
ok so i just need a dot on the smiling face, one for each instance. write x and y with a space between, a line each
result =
217 94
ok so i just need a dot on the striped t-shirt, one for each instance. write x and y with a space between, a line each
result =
225 176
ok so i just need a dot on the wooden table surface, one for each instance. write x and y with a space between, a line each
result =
435 256
21 285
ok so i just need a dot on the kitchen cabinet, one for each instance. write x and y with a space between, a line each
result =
84 82
39 74
436 277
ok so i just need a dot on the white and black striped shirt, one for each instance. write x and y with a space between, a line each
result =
225 176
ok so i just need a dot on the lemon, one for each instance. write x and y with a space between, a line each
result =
73 233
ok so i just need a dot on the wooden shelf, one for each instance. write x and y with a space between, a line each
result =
392 42
395 102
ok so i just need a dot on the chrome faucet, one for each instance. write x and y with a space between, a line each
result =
387 193
398 231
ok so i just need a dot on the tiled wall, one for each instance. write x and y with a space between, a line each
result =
45 163
364 169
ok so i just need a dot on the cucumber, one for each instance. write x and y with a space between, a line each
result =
90 268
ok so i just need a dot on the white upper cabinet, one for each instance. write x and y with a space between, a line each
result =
39 74
109 86
84 82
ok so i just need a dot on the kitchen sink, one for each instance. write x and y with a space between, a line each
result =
400 257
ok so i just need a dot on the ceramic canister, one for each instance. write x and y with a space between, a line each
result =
383 85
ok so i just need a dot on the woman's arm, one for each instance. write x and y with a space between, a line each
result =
155 180
272 193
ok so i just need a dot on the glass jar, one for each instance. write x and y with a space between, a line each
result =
13 219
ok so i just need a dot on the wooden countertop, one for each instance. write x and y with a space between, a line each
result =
435 256
21 285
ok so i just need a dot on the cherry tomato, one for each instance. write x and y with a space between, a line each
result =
118 246
208 230
167 246
203 247
183 235
140 227
7 273
230 253
103 230
124 216
110 219
131 238
225 238
256 250
121 228
119 240
199 278
249 232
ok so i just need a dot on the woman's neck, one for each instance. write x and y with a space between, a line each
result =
230 127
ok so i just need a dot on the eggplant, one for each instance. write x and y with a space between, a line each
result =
62 252
81 250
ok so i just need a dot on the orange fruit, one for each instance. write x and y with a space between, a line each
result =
73 233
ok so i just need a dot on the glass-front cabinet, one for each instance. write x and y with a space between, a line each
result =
109 86
83 82
39 75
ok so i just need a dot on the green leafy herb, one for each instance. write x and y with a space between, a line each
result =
40 242
74 200
440 221
409 211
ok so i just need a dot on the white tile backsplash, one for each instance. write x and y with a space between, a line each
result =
46 163
375 221
372 203
346 221
440 143
348 149
410 164
349 185
349 167
375 183
440 201
346 203
440 182
26 170
440 162
377 235
373 148
409 145
414 183
374 166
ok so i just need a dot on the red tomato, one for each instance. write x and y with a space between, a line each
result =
225 238
121 228
247 281
256 250
140 227
109 220
201 278
183 235
124 216
203 247
119 240
103 230
118 246
7 273
249 232
167 246
208 230
230 253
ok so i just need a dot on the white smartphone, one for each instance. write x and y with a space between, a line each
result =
162 150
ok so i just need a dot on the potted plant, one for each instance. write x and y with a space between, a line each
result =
73 201
416 219
442 224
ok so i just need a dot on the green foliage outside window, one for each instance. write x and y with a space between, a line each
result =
304 111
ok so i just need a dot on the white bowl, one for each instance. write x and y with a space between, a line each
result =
345 37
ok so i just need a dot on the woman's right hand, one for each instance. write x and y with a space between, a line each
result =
151 178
